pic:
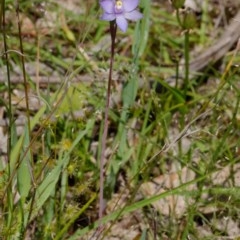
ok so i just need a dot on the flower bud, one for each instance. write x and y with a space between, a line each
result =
178 3
189 21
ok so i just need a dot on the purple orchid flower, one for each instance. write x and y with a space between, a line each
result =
121 11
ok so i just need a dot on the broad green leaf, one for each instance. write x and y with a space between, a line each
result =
16 150
23 172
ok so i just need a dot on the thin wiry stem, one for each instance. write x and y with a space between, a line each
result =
26 85
10 115
23 68
186 58
113 30
8 78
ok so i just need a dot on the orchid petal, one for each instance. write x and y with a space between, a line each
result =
107 6
122 23
130 5
134 15
108 16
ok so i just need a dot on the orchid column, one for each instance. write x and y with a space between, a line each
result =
118 12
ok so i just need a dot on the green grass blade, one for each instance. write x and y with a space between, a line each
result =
45 189
142 30
23 172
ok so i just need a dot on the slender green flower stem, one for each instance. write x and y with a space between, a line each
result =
178 18
113 30
186 57
186 53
